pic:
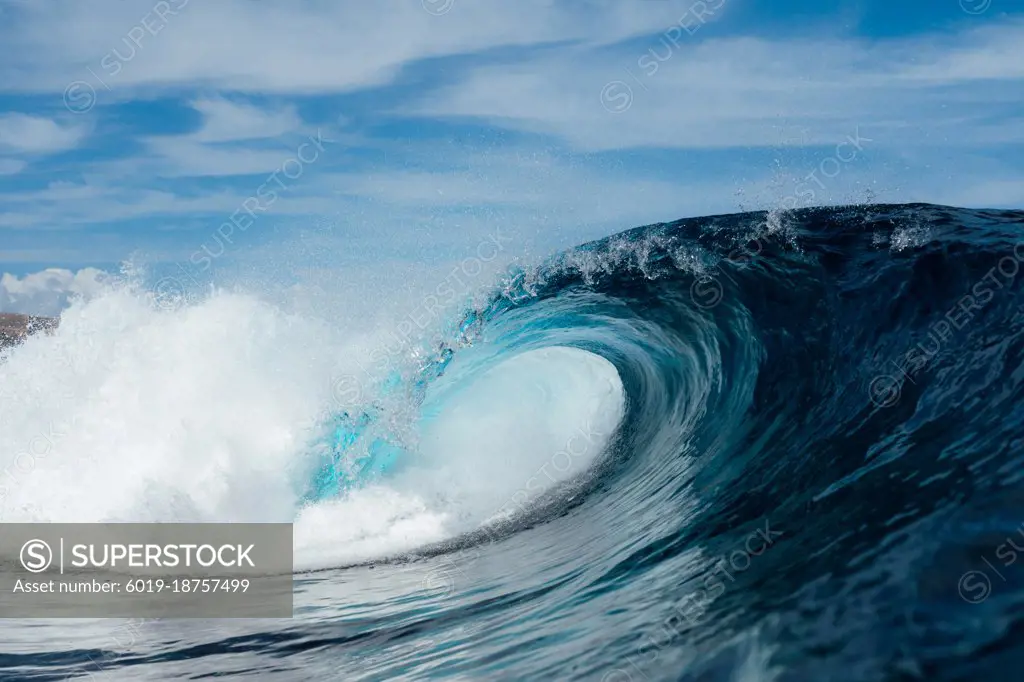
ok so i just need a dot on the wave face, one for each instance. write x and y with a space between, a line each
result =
745 447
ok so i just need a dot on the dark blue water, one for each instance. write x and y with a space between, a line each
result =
817 477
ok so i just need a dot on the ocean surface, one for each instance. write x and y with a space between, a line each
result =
764 446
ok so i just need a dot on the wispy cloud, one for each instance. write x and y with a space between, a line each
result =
304 47
733 92
37 135
226 121
11 166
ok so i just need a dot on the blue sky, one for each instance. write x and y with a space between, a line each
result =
406 130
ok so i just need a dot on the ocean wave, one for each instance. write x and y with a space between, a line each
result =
758 446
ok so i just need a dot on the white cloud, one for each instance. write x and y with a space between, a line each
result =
732 93
62 206
303 47
992 52
11 166
32 134
227 120
181 157
234 139
47 292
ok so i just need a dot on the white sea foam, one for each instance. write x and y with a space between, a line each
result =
207 412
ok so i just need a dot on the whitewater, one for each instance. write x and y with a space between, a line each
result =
211 411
